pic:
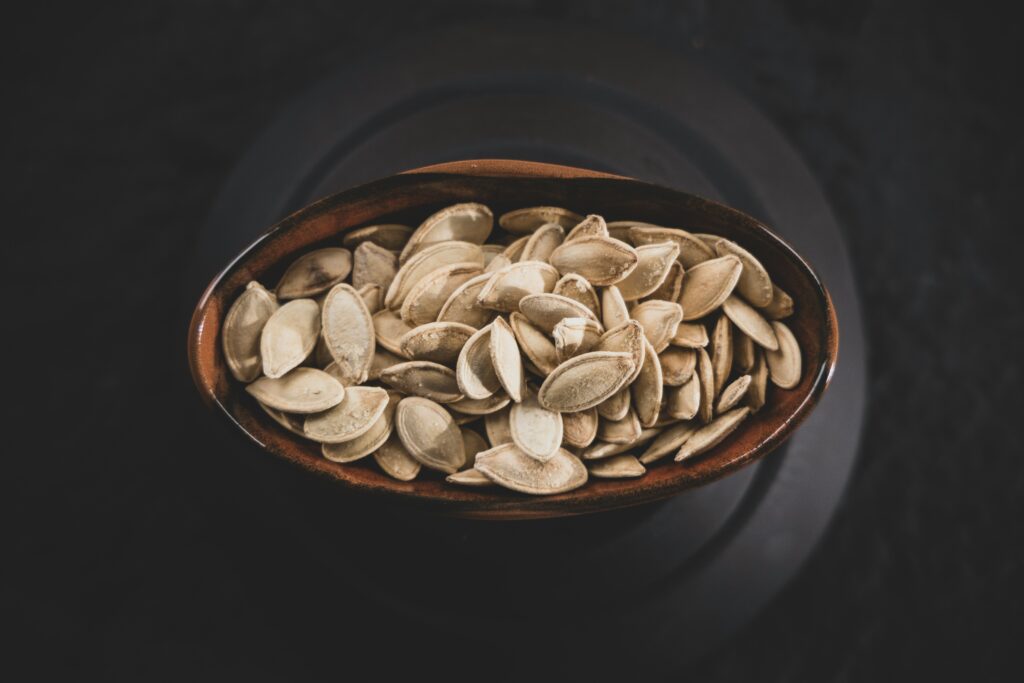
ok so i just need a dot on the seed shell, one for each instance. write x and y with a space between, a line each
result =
474 369
289 336
353 417
505 359
508 466
423 378
243 327
784 364
710 435
585 381
750 322
314 273
395 460
708 284
536 430
429 434
303 391
601 260
529 219
754 284
509 285
349 332
617 467
654 262
436 342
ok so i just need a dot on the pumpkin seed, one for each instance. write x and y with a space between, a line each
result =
462 306
390 236
395 460
601 260
708 284
474 369
626 430
620 230
536 430
529 219
472 443
671 439
614 311
677 365
574 336
542 242
349 332
481 406
784 364
497 263
690 336
781 305
758 383
389 329
293 423
684 401
600 449
710 435
732 394
585 381
616 406
505 358
289 336
660 320
750 322
514 251
314 273
510 284
691 249
742 352
654 261
468 222
243 327
423 378
721 352
591 226
754 284
580 429
535 344
471 477
547 310
352 417
672 286
382 359
508 466
617 467
497 426
427 261
373 265
491 251
647 389
425 300
429 434
578 289
367 442
436 342
628 338
303 390
706 375
372 296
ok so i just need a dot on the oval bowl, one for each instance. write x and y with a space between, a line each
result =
505 185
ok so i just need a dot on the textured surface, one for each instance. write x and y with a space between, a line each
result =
129 118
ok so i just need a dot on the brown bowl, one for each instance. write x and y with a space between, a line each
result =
505 185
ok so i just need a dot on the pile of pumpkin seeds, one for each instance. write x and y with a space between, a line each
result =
563 348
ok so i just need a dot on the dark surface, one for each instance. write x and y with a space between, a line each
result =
128 120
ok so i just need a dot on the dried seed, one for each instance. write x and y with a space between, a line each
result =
574 336
709 436
617 467
491 251
708 284
382 359
781 305
243 327
314 273
497 263
536 430
647 389
423 378
620 229
754 284
614 311
591 226
471 477
497 427
671 439
290 421
349 333
600 449
578 289
750 322
425 300
580 429
758 383
367 442
389 329
482 406
784 364
654 261
372 296
395 460
427 261
616 406
353 417
706 375
627 338
601 260
721 352
436 342
472 443
672 286
514 251
373 265
303 391
626 430
542 242
690 336
474 369
389 236
708 239
742 352
677 365
529 219
732 394
535 344
660 320
429 434
505 358
510 284
684 401
547 310
289 336
462 306
585 381
468 222
508 466
691 249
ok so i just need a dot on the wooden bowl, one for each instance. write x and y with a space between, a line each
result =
504 185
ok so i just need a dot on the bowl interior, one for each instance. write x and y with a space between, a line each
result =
408 198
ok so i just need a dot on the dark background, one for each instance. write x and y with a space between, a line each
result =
124 121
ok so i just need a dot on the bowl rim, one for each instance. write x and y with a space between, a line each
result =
462 501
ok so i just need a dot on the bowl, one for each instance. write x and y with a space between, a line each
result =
505 185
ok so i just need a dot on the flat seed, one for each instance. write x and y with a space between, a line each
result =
784 364
750 322
427 261
754 284
626 430
707 238
742 352
529 219
574 336
395 460
600 449
462 306
758 383
591 226
508 466
690 336
293 423
580 429
474 369
708 284
547 310
497 263
372 296
654 261
471 477
616 406
505 358
535 344
614 311
684 401
648 387
536 430
482 406
620 229
691 249
303 390
349 333
389 329
732 394
429 434
626 338
491 251
497 427
578 289
289 336
472 443
391 236
585 381
382 359
601 260
672 286
781 305
469 222
510 284
373 265
677 365
243 327
425 300
514 250
436 342
617 467
315 273
368 442
709 436
660 320
706 375
721 352
423 378
353 417
671 439
542 242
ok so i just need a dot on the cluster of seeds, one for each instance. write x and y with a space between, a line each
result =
577 347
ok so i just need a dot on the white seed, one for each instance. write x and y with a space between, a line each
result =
425 300
781 305
690 336
243 327
578 289
497 427
472 443
547 310
784 364
353 417
423 378
617 467
706 375
474 369
654 262
529 219
468 222
677 365
684 401
436 342
390 236
732 394
626 338
542 242
710 435
349 333
750 322
462 305
758 383
427 261
660 320
601 260
470 477
372 296
535 344
599 449
754 284
648 387
505 359
536 430
508 466
429 434
303 390
395 460
616 406
509 285
574 336
671 439
672 286
389 329
721 352
626 430
586 380
314 273
708 284
289 336
367 442
373 265
691 249
614 311
591 226
580 428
